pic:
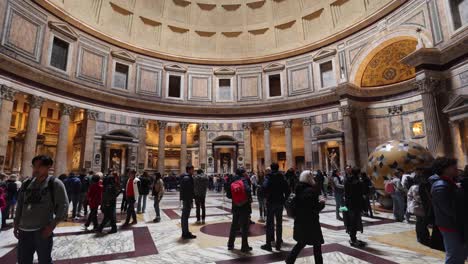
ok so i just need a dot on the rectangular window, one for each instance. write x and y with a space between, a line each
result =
459 11
174 86
121 76
274 82
59 55
224 86
326 74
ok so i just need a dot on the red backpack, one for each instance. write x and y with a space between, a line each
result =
238 193
389 187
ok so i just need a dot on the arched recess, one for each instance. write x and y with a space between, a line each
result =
382 65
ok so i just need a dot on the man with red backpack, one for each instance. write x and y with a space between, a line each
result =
240 193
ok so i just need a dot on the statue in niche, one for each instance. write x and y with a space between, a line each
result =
333 158
226 162
116 155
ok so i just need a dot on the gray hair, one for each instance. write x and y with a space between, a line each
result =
307 177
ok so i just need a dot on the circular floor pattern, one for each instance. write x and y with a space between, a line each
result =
222 230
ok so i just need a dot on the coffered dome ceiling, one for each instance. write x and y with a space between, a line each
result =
220 31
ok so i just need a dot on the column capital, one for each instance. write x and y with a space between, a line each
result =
347 110
141 122
287 123
184 126
246 126
266 125
66 109
7 93
35 101
162 124
91 114
307 121
428 85
203 126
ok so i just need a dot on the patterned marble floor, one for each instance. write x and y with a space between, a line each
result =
148 242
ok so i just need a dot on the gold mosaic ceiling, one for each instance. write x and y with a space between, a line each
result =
385 67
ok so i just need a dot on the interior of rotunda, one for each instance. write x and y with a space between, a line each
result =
153 86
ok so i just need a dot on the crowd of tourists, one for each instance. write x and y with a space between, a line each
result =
436 196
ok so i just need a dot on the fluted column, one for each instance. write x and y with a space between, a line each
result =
266 143
362 137
306 123
457 143
203 151
142 144
427 87
347 112
161 146
62 142
30 139
247 146
183 146
87 148
7 95
287 124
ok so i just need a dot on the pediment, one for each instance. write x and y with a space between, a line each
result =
123 55
175 68
273 67
64 29
322 54
459 103
224 71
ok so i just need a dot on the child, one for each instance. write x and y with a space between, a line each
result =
94 200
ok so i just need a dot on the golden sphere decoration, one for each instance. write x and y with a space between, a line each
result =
394 154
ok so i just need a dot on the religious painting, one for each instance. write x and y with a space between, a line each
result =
225 162
115 159
76 155
52 127
333 157
152 159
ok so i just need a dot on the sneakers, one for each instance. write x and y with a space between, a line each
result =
266 247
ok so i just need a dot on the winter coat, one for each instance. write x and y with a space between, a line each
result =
354 202
158 189
444 203
276 188
73 185
200 185
415 205
338 185
186 187
307 222
462 213
11 191
136 187
95 195
145 185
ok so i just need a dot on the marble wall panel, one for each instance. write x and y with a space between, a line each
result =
249 87
149 80
300 79
92 64
200 87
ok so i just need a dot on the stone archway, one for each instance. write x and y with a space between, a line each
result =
225 154
120 150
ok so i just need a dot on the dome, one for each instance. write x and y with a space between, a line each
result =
394 154
220 31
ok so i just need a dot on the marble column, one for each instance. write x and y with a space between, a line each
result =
161 146
427 87
266 143
342 156
457 144
61 159
350 151
183 146
306 126
87 148
30 138
7 95
203 148
247 146
287 124
142 160
363 148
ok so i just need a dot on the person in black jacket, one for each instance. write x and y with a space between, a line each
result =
144 189
277 191
186 195
354 203
368 191
240 214
307 230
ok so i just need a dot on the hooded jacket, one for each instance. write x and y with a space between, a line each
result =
200 185
444 203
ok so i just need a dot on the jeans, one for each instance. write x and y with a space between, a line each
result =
297 250
368 207
92 218
200 204
274 211
131 210
398 206
83 203
109 216
422 232
32 241
186 208
261 207
123 205
455 251
339 203
74 199
142 203
240 219
156 207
